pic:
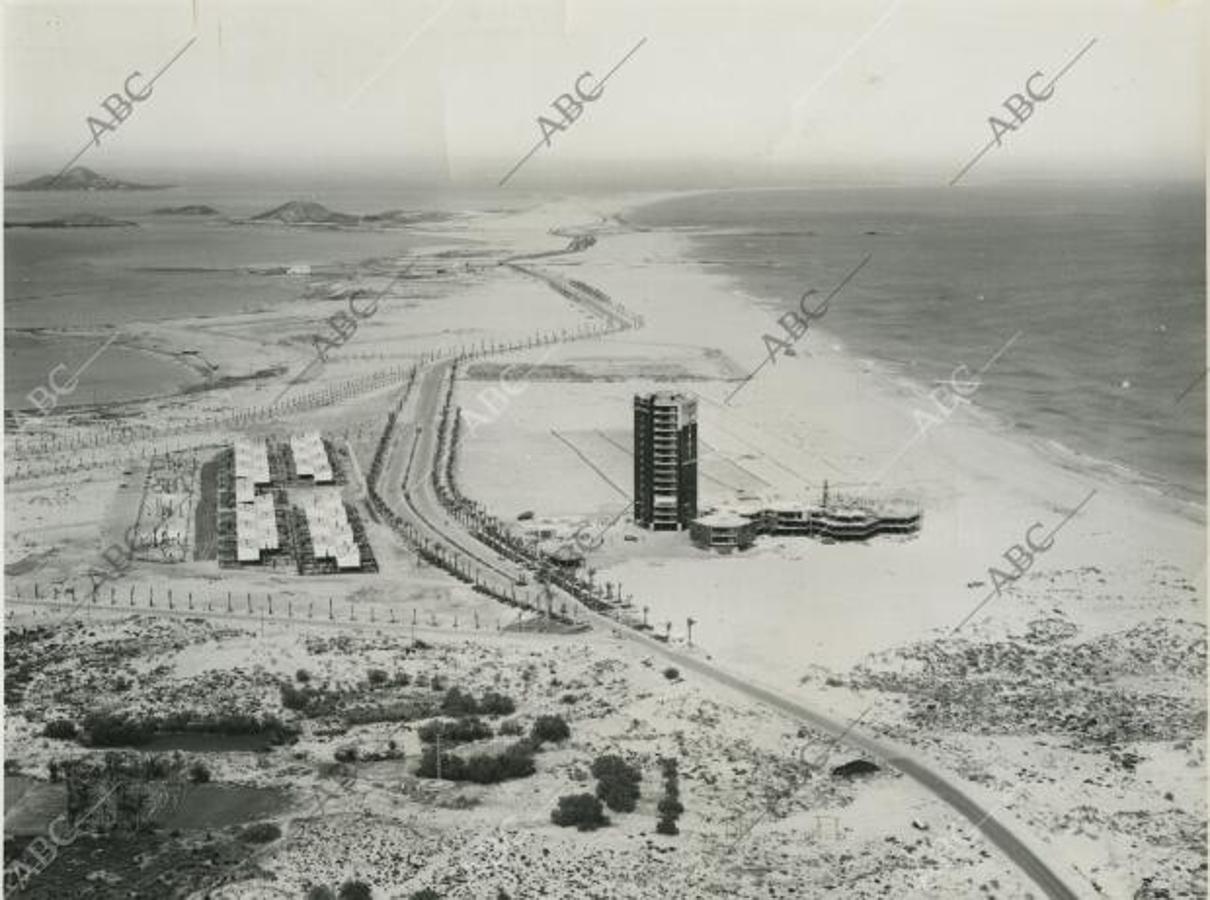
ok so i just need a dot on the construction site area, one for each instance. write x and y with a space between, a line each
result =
280 504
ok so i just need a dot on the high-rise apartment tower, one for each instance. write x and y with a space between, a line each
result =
665 461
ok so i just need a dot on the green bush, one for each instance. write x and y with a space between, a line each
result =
459 731
620 796
345 754
199 772
397 711
355 890
107 730
666 826
672 673
511 727
612 766
617 782
458 703
583 811
481 768
321 892
496 704
670 808
550 728
377 677
61 730
303 676
260 833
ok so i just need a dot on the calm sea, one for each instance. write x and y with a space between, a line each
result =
1105 284
170 267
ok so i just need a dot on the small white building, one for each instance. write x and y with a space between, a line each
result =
311 458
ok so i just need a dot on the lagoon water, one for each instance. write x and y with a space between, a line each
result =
90 280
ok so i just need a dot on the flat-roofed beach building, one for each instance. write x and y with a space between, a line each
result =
852 519
311 458
328 524
252 461
255 529
723 531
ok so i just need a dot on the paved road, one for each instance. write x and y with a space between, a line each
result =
424 508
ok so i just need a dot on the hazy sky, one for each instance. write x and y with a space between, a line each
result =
775 89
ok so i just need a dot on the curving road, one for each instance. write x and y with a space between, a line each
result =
415 454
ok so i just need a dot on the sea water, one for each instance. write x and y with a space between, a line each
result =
1105 285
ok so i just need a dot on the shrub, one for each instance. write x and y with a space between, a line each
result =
666 826
620 796
460 731
377 677
511 727
457 703
355 890
106 730
672 673
199 772
584 811
550 728
260 833
293 698
481 768
670 808
426 894
617 782
345 754
612 766
303 676
61 729
496 704
321 892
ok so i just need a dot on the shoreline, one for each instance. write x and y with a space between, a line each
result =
978 483
197 370
1188 500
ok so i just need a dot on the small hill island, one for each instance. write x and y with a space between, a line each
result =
308 212
78 220
82 178
192 209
